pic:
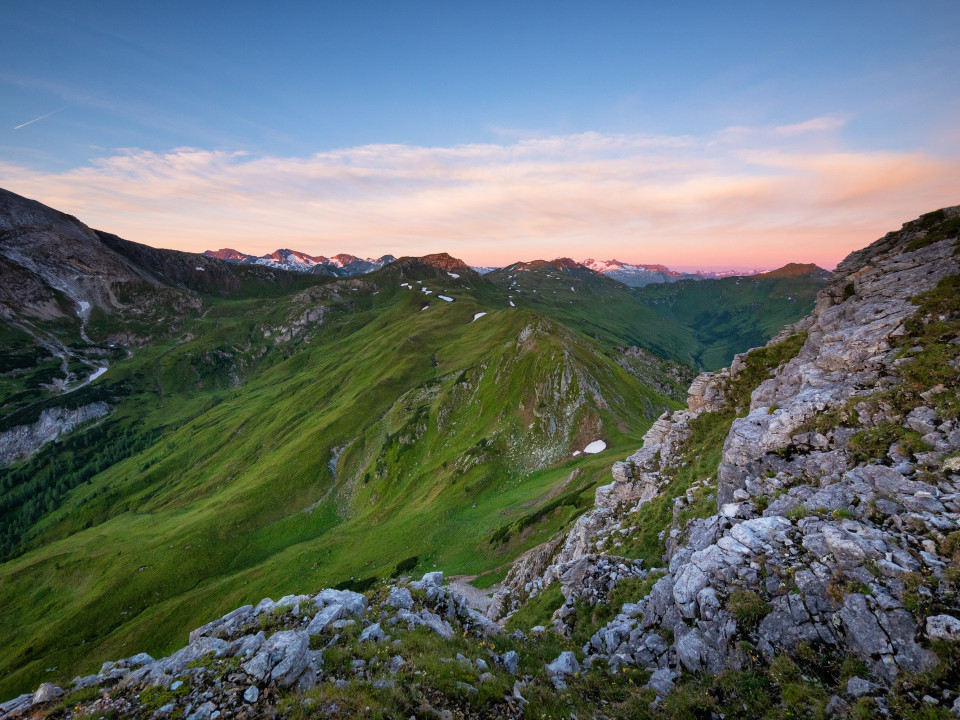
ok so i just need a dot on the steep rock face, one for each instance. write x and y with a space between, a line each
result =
848 348
636 481
838 494
54 253
23 440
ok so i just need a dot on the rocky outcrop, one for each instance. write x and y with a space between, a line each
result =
237 665
838 494
635 482
24 440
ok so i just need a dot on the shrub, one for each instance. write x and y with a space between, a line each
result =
747 607
405 566
798 512
874 443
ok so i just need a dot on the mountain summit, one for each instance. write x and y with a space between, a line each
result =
797 269
341 265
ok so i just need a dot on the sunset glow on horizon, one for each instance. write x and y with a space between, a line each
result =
727 140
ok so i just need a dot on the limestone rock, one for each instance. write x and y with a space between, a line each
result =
373 633
46 692
943 627
399 597
565 664
282 658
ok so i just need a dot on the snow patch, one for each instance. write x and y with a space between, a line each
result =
595 447
444 297
84 306
511 303
408 286
453 275
477 316
198 268
576 452
424 308
96 374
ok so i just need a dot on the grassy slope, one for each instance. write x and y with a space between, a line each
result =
731 314
596 306
448 428
701 323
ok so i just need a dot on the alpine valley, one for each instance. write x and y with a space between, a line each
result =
548 490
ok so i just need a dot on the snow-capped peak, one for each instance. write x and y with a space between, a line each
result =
342 264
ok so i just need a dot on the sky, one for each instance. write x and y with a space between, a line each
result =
700 135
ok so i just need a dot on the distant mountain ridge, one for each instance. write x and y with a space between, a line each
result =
347 265
340 265
642 274
797 269
637 275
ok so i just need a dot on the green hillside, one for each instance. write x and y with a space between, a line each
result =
269 432
702 323
727 316
279 445
595 306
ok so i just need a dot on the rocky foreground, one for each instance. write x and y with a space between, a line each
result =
830 527
787 546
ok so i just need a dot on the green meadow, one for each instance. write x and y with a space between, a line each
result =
382 435
332 433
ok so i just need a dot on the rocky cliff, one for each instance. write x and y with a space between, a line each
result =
23 440
831 522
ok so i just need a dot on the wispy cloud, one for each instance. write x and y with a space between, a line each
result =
753 197
817 124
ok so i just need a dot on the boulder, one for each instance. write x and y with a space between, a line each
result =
399 597
943 627
177 663
430 579
246 646
565 664
857 687
353 602
373 633
46 692
282 658
17 703
661 681
226 626
323 619
436 623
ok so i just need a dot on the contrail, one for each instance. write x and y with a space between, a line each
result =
30 122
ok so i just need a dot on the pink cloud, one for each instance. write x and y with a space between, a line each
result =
733 199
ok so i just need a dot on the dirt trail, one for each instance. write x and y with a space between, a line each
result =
476 598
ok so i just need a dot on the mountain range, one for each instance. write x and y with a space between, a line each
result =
345 265
181 435
186 438
342 265
143 389
640 275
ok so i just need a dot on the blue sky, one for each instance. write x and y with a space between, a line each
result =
487 129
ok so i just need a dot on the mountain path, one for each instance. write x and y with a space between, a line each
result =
476 598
